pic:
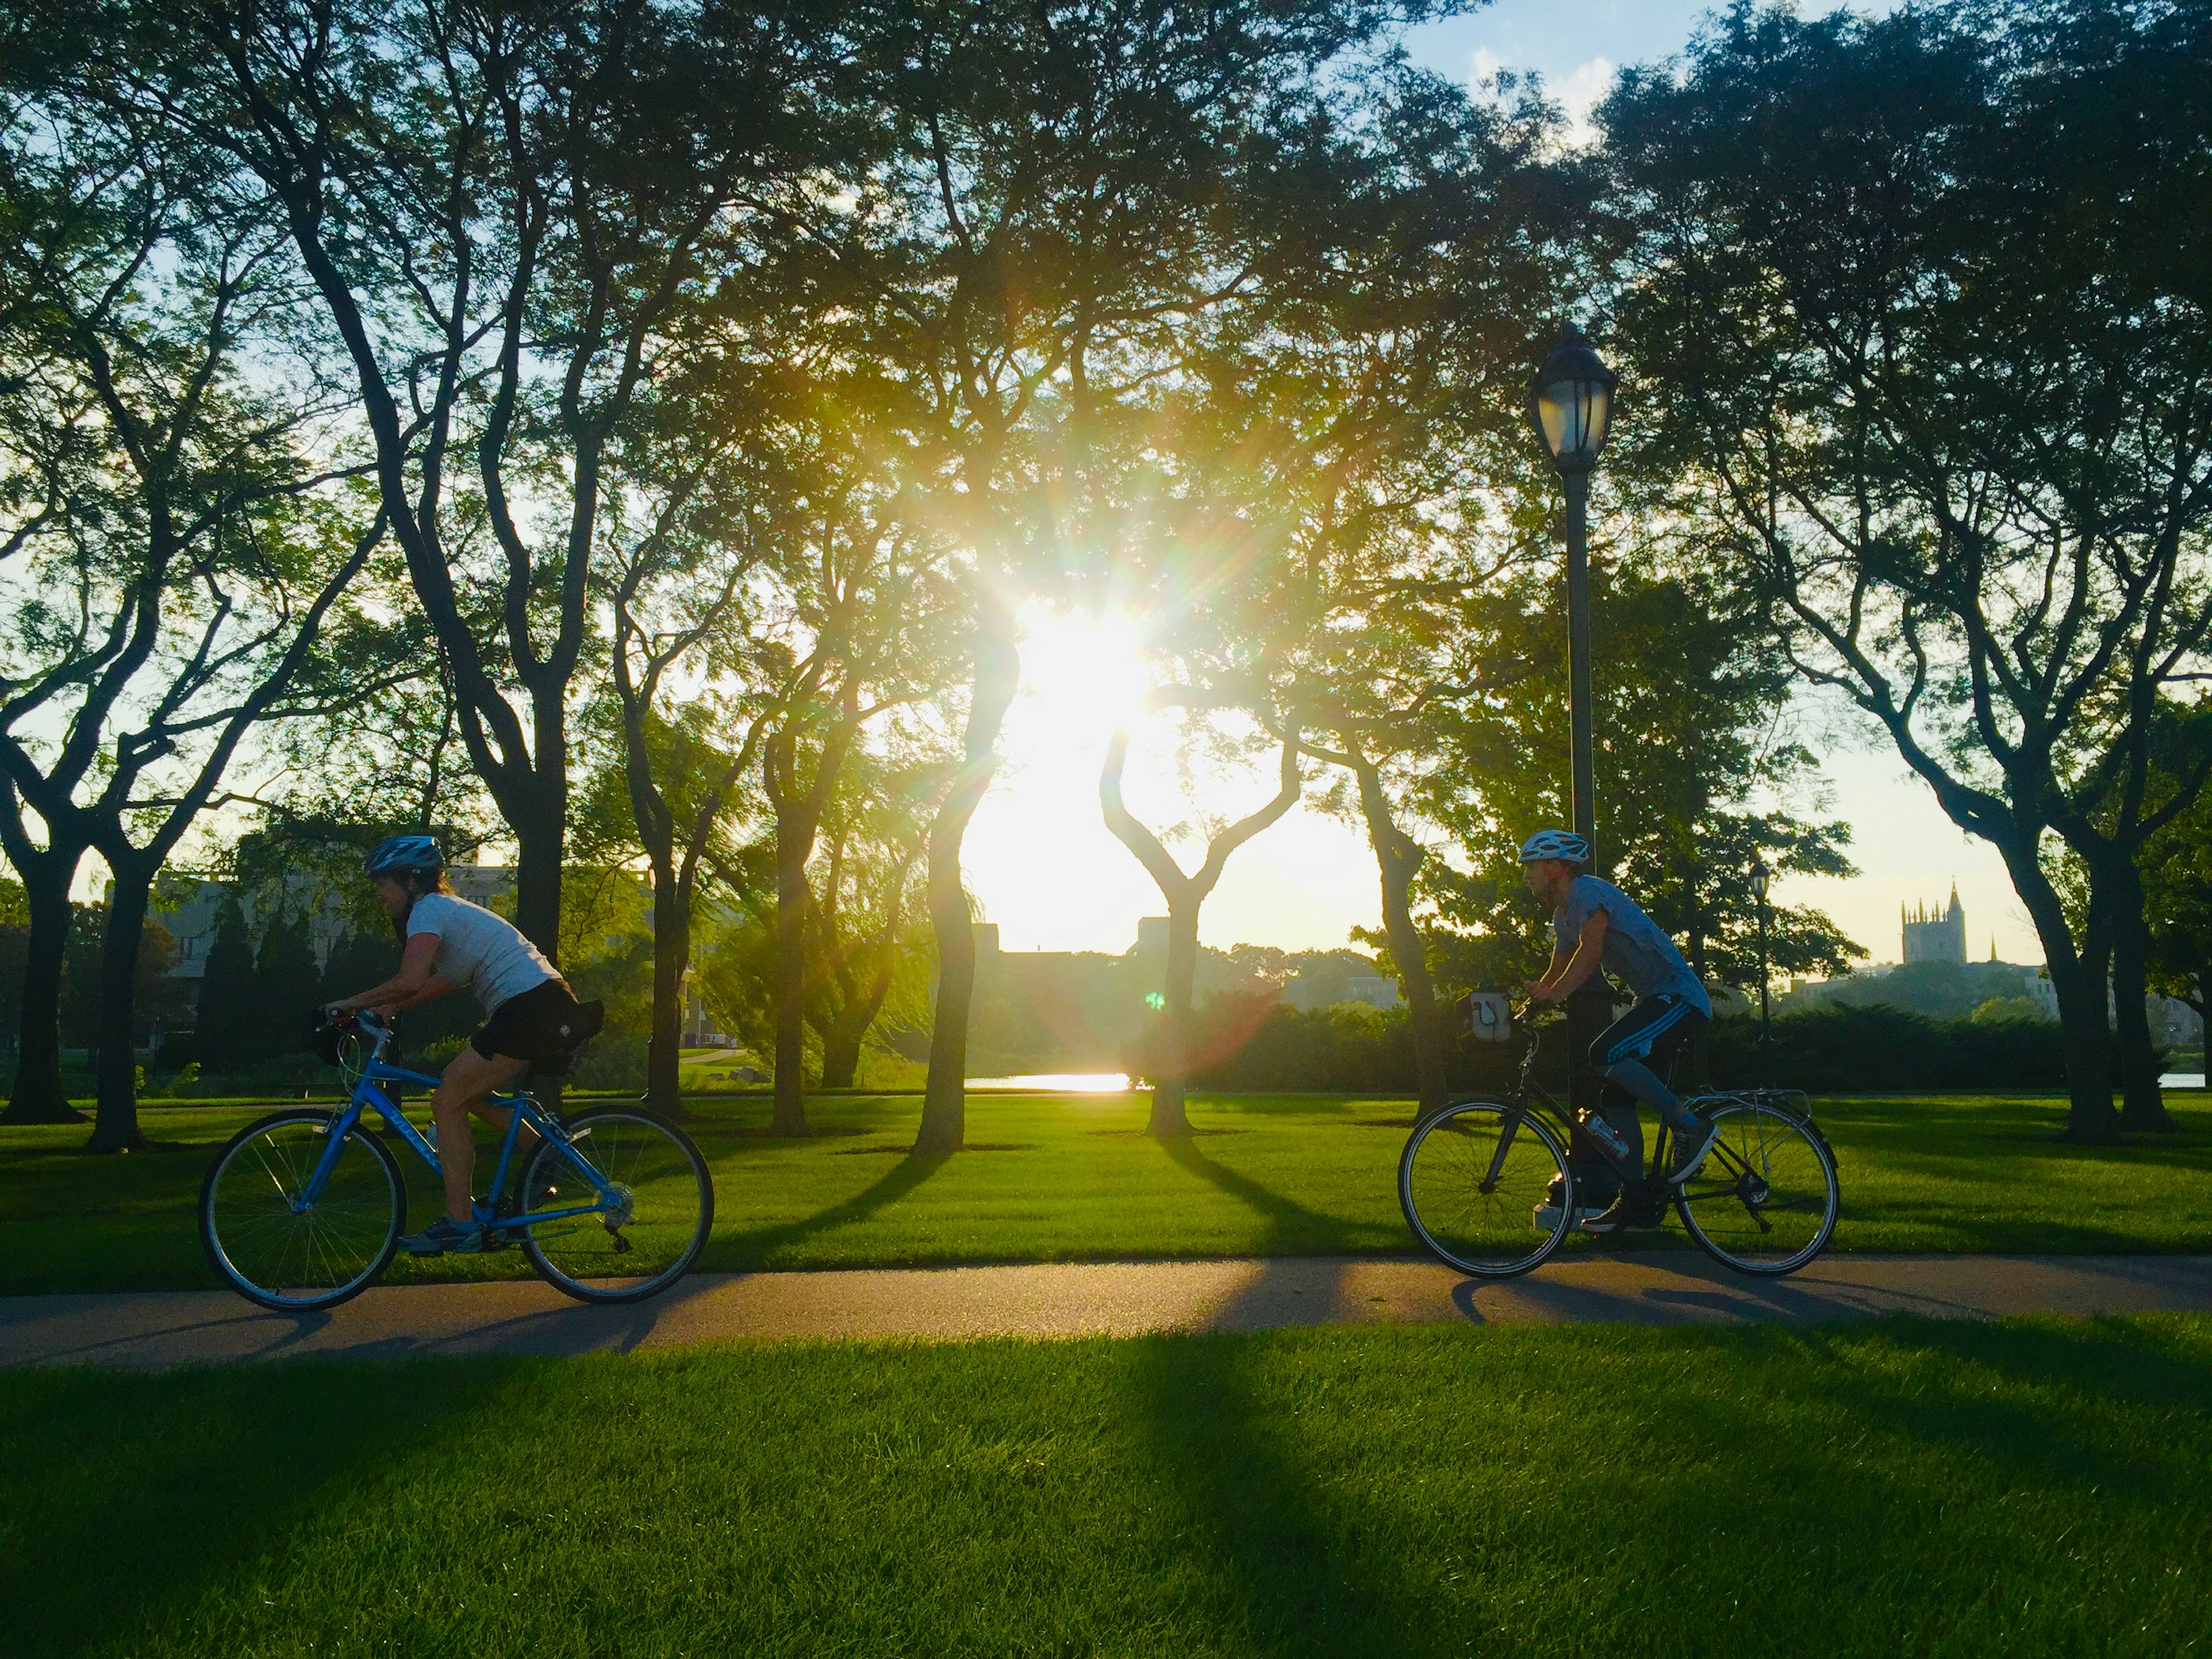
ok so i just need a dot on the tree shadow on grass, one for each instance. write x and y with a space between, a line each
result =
1261 1513
753 1250
1292 1229
2032 1429
127 1493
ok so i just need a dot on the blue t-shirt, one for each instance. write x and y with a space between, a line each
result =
1636 952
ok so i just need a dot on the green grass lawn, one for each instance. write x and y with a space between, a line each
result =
1965 1489
1061 1177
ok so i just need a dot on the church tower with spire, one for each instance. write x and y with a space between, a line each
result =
1935 936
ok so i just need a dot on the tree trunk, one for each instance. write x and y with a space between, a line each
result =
671 955
1700 1060
841 1054
1398 859
539 833
794 843
38 1096
115 1123
997 677
1171 1086
2078 978
2142 1105
844 1032
1184 894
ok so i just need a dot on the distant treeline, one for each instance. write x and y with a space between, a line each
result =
1838 1050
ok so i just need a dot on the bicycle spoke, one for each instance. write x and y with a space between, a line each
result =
1770 1205
1475 1183
277 1247
650 1200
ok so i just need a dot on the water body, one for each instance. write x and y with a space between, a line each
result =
1063 1083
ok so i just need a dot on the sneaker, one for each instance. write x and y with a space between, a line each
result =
1546 1214
1690 1145
443 1234
1627 1213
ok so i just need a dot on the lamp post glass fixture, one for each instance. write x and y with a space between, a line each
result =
1761 876
1571 406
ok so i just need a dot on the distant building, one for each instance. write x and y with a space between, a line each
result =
1373 990
1326 978
190 908
1933 937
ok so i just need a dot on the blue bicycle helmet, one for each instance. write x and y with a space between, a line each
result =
400 855
1562 844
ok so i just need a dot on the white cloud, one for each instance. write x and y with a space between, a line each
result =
1579 94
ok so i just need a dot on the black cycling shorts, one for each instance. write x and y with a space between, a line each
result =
540 1025
1653 1030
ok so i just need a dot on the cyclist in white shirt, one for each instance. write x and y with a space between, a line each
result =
531 1016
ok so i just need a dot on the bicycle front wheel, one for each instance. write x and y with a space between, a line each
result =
1485 1187
277 1242
652 1204
1764 1200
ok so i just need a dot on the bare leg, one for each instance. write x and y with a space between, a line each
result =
461 1089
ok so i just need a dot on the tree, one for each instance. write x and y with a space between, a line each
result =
229 1029
502 212
1062 197
685 590
1350 460
288 980
864 956
1930 371
186 577
1694 773
1185 893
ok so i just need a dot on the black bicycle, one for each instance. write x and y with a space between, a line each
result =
1489 1187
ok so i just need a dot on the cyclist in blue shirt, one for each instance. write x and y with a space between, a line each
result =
1594 925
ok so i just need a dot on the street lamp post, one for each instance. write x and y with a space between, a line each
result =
1571 406
1761 876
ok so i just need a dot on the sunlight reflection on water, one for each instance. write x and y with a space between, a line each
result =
1068 1082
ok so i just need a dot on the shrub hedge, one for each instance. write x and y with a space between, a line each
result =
1835 1050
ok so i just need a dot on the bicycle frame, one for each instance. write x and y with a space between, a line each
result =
520 1106
1527 1096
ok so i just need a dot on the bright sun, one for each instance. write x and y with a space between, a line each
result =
1083 676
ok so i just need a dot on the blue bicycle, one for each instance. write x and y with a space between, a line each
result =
303 1209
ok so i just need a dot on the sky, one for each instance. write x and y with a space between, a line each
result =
1049 874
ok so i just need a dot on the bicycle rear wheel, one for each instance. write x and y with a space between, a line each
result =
1765 1198
651 1232
274 1247
1472 1179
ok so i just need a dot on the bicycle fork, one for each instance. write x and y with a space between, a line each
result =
1488 1184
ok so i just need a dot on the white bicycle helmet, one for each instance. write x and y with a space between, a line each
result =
1555 844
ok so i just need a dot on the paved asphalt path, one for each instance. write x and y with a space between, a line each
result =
157 1330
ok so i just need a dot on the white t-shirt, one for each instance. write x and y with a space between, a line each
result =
476 948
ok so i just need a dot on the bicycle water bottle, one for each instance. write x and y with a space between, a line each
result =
1614 1144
